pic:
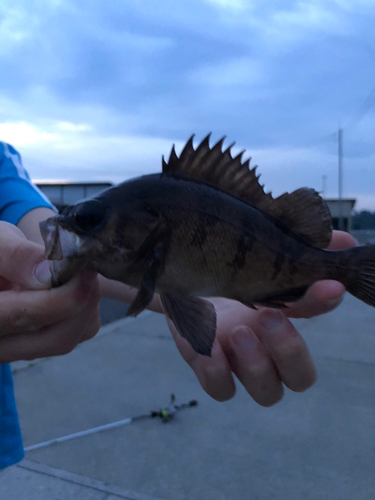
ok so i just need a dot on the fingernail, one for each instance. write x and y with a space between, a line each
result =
243 338
42 273
271 319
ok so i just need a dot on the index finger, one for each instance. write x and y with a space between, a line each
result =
31 310
287 349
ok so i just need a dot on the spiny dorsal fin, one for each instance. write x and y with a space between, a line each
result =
304 211
219 168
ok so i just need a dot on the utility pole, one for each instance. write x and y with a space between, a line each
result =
341 220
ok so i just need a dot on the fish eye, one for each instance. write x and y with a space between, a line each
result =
90 215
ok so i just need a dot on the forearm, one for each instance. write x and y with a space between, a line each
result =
29 224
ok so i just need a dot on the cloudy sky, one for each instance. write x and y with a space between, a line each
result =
93 90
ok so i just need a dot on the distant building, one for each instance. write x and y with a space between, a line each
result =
347 205
63 193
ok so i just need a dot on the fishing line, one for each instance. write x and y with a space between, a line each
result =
165 415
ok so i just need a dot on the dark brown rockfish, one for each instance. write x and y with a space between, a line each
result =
205 227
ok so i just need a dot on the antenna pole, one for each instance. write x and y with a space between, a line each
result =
341 220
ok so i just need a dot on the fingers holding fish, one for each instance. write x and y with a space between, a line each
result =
262 348
21 261
55 339
214 373
268 353
287 349
254 367
32 310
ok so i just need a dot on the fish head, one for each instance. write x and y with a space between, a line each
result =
76 231
98 234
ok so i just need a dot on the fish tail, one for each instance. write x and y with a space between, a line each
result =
357 273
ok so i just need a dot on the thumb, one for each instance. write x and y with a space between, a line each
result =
22 261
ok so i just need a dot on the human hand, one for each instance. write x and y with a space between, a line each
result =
262 347
36 321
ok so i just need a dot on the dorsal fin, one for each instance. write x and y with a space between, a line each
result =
303 211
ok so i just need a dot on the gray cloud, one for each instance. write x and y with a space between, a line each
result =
270 75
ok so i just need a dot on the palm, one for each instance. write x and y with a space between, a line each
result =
262 347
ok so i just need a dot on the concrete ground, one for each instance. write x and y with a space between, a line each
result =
315 445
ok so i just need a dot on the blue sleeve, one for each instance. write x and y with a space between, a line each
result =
17 193
17 197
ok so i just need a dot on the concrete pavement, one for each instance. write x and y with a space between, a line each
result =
315 445
31 480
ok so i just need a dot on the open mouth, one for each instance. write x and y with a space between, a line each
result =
59 242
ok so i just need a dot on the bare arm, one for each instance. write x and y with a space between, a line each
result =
37 321
29 224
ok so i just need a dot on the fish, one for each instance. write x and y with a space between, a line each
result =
205 227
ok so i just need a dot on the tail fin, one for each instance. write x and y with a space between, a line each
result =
358 273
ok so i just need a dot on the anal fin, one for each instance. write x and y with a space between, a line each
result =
194 319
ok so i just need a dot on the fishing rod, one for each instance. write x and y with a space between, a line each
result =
164 414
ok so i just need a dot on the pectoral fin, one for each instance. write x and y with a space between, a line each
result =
147 289
194 319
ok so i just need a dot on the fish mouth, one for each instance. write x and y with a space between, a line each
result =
64 248
59 242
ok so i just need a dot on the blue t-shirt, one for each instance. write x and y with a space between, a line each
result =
17 197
